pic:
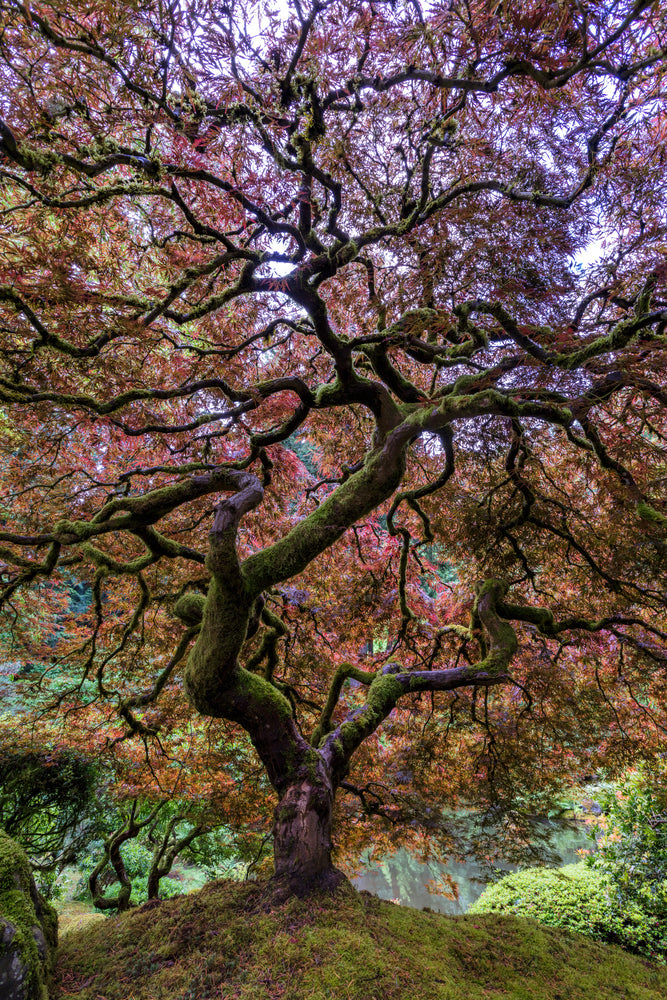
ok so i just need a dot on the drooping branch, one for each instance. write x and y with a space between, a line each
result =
142 511
549 626
267 650
151 696
411 497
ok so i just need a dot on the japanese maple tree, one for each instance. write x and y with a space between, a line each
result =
333 351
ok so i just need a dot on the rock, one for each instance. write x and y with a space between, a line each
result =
28 929
592 807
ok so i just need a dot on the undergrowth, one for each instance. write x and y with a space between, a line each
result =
229 941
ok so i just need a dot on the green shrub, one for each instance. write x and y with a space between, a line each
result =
576 898
632 854
48 804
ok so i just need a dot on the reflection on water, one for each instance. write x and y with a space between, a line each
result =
402 878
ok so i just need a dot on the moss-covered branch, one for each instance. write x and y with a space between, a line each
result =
361 493
344 672
392 683
547 624
215 682
268 648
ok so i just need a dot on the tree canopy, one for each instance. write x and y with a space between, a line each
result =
332 381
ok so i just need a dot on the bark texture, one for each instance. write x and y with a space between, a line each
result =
302 829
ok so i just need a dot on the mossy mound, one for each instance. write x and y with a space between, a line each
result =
74 916
229 941
28 928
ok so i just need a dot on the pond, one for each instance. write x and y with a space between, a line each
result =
402 878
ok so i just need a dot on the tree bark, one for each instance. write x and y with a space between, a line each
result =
302 842
302 829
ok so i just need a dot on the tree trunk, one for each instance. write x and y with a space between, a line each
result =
302 834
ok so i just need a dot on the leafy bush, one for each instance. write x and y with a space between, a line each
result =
632 855
229 853
576 898
48 803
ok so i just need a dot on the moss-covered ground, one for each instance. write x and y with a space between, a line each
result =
227 941
74 916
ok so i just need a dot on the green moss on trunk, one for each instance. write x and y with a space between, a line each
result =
28 928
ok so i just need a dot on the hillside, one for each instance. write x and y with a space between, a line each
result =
228 941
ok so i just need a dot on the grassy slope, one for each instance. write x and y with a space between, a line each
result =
225 942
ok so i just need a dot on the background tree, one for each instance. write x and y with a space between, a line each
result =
46 803
358 233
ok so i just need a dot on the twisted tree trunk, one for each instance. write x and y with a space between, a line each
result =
302 841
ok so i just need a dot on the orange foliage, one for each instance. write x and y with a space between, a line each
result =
237 240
